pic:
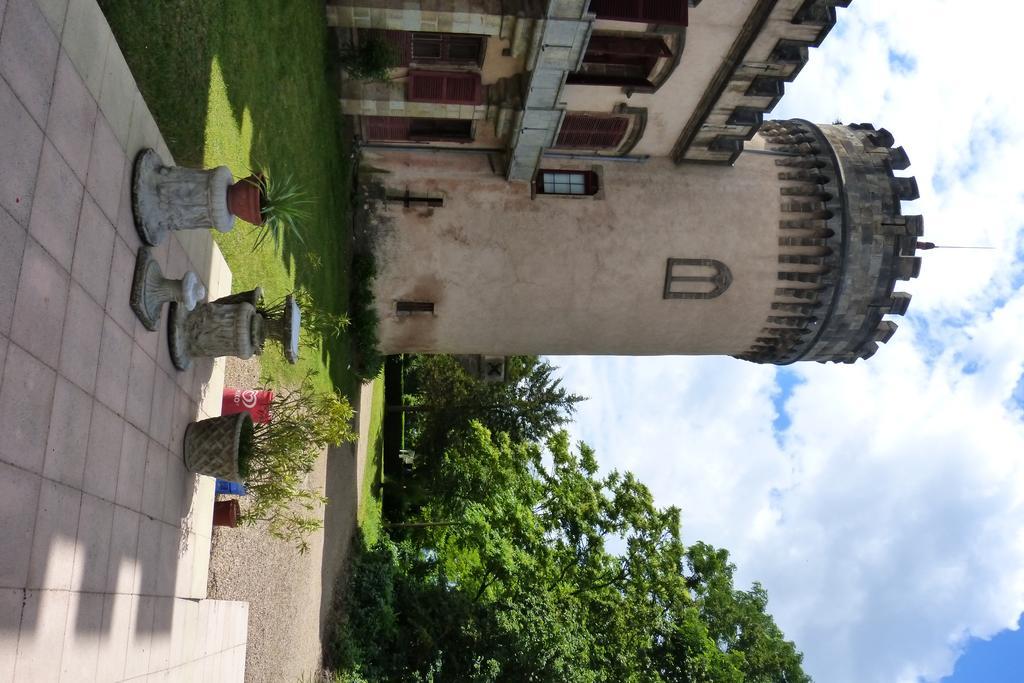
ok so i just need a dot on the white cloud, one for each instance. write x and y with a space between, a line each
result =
888 524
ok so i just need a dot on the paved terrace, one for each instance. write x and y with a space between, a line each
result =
104 537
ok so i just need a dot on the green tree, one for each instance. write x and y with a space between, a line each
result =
555 573
528 406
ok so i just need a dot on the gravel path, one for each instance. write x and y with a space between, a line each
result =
289 594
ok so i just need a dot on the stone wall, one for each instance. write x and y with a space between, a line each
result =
770 50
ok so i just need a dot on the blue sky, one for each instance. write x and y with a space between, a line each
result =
999 660
881 504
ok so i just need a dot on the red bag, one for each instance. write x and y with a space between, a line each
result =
255 402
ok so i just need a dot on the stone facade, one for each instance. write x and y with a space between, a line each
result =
696 229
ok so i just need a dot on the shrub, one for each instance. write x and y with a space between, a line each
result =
278 455
363 314
370 60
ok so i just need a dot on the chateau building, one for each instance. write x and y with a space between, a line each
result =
597 177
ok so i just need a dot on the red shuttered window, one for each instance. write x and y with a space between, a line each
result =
387 128
430 48
446 48
606 48
620 60
445 87
392 128
651 11
589 131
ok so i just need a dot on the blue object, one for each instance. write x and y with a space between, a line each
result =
230 488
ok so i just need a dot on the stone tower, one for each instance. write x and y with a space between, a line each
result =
597 177
792 253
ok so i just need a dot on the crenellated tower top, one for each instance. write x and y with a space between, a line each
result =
844 242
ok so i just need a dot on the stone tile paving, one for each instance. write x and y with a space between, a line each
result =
104 537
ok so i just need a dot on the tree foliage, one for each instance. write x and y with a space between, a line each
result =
528 406
370 60
547 570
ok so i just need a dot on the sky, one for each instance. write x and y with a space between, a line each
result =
880 504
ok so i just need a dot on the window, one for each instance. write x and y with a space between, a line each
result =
687 278
592 131
581 183
409 200
446 48
397 128
446 87
430 48
410 307
452 130
620 60
649 11
387 127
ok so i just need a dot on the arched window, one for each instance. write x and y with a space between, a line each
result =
620 60
691 278
591 131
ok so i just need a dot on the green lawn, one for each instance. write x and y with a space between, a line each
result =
248 84
370 509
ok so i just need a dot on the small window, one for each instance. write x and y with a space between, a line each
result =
410 200
410 307
581 183
690 278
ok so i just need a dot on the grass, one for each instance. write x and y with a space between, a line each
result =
245 85
370 509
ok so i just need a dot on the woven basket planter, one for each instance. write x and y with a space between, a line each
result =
211 446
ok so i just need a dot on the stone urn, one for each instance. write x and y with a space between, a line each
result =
151 290
213 330
282 323
166 198
212 446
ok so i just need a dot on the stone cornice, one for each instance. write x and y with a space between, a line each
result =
750 80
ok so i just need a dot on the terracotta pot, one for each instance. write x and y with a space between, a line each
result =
211 446
244 200
225 513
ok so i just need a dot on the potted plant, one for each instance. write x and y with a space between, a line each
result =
166 198
275 204
226 513
319 326
296 321
273 459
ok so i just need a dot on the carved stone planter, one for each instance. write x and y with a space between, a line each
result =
282 323
212 330
234 325
166 198
211 446
252 296
151 290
